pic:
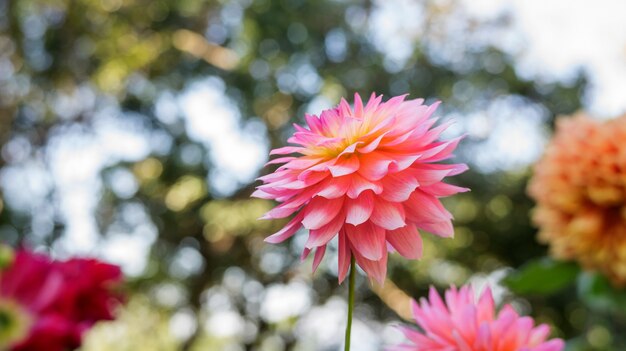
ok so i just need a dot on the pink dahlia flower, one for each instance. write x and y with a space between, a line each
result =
48 305
369 174
466 323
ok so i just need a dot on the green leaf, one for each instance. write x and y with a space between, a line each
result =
542 277
598 293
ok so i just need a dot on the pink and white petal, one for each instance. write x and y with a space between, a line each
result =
427 174
302 163
388 215
262 195
407 241
314 123
351 148
286 150
443 189
305 254
321 236
371 146
360 184
374 166
398 187
344 165
552 345
280 160
402 162
486 306
317 259
368 240
335 187
375 269
344 255
320 211
360 209
358 106
440 151
444 229
288 231
538 335
280 211
423 207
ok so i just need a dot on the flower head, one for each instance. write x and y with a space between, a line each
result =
369 175
50 304
464 322
580 189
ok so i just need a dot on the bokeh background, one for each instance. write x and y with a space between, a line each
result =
133 130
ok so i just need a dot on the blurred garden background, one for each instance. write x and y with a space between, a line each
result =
133 131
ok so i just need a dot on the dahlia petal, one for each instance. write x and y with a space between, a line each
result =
368 240
426 208
443 189
344 107
460 342
280 160
330 142
262 194
352 148
388 215
320 211
427 174
375 269
373 102
285 150
486 306
372 145
344 165
302 162
407 241
360 184
306 139
358 105
314 174
321 236
402 162
552 345
441 151
335 187
314 123
408 119
277 176
317 259
538 335
288 231
444 229
330 121
305 254
432 134
300 129
374 166
360 209
343 256
280 211
398 187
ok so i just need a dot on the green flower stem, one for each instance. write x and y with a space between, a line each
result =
350 302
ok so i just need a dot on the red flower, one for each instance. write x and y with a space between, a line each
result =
60 299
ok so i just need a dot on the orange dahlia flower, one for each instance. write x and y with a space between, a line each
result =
369 175
580 189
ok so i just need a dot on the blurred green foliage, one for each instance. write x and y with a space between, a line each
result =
128 54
